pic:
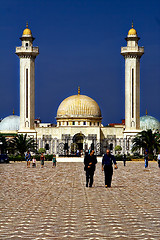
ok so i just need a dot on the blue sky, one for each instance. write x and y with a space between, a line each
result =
79 44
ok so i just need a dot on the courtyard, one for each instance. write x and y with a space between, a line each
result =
53 203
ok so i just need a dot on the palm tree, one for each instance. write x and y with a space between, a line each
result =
147 140
3 144
22 144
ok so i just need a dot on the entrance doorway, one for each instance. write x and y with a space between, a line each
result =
78 140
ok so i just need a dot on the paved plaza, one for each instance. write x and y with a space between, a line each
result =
53 203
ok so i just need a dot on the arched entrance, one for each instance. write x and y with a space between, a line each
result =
78 140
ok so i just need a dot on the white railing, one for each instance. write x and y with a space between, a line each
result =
27 49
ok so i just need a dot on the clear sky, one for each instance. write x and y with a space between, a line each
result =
79 43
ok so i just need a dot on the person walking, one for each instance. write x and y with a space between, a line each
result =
54 160
158 159
146 159
124 160
28 158
42 158
33 162
107 162
90 161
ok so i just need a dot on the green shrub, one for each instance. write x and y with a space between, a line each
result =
16 158
42 150
48 157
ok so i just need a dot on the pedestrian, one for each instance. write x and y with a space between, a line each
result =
42 158
158 159
124 159
90 161
54 160
28 158
146 159
107 162
33 162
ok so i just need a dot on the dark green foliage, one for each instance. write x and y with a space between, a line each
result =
147 140
48 157
21 144
16 158
42 150
118 148
4 144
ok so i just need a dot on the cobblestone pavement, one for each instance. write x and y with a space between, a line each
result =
53 203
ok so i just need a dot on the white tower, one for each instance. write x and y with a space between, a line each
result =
27 54
132 54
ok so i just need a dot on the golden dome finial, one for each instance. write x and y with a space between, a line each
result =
27 31
146 112
79 90
132 31
13 111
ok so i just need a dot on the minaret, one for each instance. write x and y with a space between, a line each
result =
27 54
132 54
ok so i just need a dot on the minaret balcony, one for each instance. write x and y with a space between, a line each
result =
132 50
27 49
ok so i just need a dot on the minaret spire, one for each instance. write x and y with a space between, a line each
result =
132 23
79 90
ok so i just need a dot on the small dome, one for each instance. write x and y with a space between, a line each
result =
78 106
149 122
27 31
132 31
10 123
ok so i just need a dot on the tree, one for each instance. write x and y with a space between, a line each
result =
21 144
42 150
3 144
118 148
147 140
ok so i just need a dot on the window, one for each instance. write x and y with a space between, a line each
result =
132 93
79 122
98 123
27 93
67 123
84 123
73 123
90 123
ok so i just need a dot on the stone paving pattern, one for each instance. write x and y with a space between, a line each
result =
53 203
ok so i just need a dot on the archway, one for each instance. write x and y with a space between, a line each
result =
78 140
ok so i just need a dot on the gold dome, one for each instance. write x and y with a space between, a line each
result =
27 31
132 31
78 106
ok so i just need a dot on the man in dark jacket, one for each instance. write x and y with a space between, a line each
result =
90 161
107 161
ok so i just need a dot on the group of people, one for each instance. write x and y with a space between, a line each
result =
90 162
29 158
